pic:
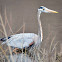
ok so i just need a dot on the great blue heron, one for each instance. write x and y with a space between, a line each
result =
24 40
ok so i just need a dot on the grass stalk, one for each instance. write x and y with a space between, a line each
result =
6 36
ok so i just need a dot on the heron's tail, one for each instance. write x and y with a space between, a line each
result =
3 39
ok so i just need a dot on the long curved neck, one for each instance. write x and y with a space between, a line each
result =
40 27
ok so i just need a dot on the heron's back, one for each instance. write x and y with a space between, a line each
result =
21 40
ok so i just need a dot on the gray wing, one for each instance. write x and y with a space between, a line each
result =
21 40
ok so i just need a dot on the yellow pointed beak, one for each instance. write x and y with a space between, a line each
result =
51 11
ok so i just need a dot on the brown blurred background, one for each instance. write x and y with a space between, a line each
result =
25 11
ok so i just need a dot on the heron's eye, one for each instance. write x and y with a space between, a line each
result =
43 9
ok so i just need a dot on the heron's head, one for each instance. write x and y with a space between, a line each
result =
46 10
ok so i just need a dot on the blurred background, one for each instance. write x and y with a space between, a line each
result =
19 12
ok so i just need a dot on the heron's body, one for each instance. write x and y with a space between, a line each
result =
21 40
